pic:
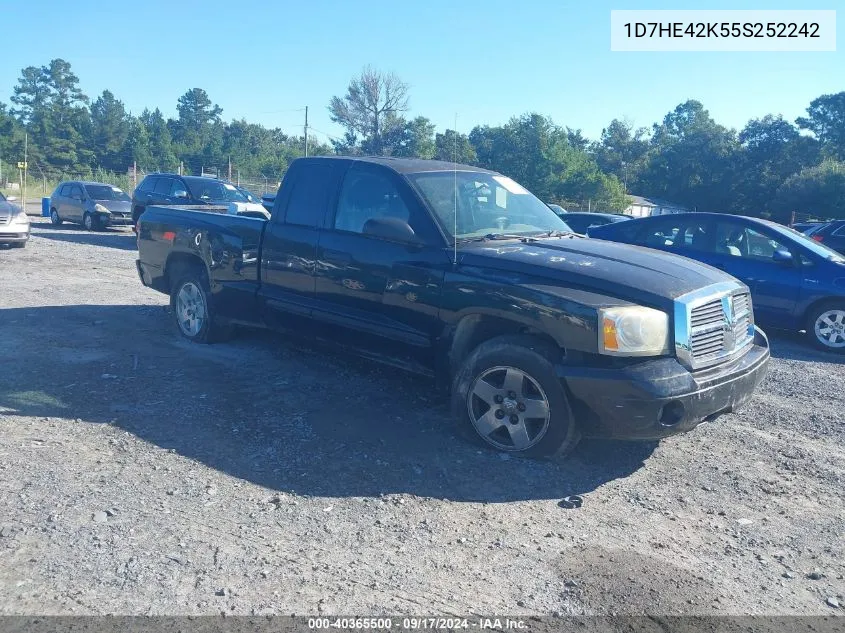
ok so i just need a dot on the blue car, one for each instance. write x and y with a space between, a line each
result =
796 283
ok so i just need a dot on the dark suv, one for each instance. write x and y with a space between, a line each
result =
831 235
173 189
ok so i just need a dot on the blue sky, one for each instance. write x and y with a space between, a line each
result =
485 60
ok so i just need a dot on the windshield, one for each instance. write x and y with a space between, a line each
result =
486 204
249 196
811 245
106 192
215 191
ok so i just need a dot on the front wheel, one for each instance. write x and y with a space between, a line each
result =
826 327
90 222
192 311
54 217
507 395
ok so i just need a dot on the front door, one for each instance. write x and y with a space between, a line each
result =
377 287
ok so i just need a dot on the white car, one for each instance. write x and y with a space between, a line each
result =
14 223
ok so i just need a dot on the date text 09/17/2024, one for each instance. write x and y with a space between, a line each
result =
417 623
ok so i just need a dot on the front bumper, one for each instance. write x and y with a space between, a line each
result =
658 398
12 234
111 219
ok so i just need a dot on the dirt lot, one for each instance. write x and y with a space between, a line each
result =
142 474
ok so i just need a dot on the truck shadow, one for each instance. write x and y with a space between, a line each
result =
117 237
285 416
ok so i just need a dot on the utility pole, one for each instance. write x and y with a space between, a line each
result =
239 177
134 174
306 131
181 167
25 144
230 168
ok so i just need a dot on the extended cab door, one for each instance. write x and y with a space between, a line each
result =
374 284
289 246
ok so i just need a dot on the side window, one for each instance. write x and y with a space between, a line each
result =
306 204
176 185
696 236
762 247
76 192
163 186
840 232
148 184
367 194
65 190
660 234
738 240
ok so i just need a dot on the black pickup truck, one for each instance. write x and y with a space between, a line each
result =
543 336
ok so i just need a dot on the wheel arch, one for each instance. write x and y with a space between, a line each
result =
181 261
474 329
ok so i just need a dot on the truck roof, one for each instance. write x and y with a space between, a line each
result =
404 165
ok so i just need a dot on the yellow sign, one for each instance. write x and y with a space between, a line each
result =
22 165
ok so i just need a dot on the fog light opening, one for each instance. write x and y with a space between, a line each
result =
672 413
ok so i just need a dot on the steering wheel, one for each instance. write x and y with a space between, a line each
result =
503 222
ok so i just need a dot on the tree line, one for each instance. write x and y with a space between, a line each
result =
770 168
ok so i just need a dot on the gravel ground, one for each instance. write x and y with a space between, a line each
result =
140 474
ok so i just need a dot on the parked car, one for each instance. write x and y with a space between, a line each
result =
796 283
806 227
268 200
14 223
94 205
543 335
831 235
582 222
176 190
557 209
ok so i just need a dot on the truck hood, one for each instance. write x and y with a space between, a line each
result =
640 275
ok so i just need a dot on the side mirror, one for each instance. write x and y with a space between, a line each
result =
390 229
11 198
782 256
180 193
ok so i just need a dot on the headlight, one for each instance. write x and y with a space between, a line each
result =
633 331
19 215
100 209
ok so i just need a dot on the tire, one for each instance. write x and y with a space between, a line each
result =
54 217
487 412
19 245
826 327
90 222
192 310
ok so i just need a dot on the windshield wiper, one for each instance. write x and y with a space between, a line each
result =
558 233
494 236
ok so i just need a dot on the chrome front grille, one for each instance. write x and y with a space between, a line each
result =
5 219
713 325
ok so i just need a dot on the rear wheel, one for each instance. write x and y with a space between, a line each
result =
54 217
192 308
508 396
826 327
